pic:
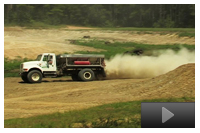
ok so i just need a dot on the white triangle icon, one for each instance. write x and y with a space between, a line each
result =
166 115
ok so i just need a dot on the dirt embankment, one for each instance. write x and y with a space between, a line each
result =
28 43
31 42
60 94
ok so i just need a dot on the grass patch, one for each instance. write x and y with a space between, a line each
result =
37 25
118 115
182 32
186 34
179 33
144 32
11 74
150 29
112 49
11 67
41 25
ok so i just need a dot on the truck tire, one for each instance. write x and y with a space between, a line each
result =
24 77
34 76
86 75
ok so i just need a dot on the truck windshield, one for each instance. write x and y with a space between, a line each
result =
38 58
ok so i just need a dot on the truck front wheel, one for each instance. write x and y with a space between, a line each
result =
34 76
24 77
86 75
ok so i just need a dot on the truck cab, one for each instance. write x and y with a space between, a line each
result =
47 62
43 66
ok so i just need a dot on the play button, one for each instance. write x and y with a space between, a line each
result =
166 115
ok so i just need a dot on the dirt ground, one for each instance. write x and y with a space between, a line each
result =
62 94
31 42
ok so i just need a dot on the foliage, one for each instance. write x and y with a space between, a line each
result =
11 67
104 15
168 23
42 25
149 29
115 115
186 34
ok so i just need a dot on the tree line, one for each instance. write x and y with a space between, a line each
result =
102 15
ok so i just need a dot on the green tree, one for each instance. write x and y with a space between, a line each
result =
122 15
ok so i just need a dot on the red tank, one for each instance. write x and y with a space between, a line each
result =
81 62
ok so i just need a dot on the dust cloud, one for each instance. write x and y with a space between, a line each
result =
127 66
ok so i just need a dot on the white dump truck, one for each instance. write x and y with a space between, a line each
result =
81 67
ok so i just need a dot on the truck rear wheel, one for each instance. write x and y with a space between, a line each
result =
86 75
34 76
